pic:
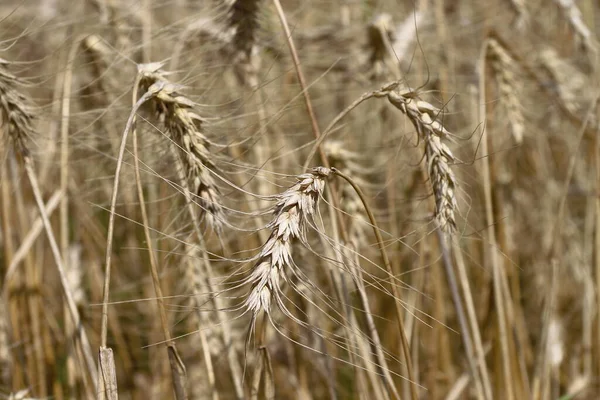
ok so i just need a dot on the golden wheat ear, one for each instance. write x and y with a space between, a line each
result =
424 117
294 209
505 67
185 129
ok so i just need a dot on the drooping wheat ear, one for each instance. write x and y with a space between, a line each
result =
294 209
504 70
424 117
575 18
184 127
15 114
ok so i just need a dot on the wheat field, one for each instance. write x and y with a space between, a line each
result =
299 199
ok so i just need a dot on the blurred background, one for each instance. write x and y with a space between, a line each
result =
493 239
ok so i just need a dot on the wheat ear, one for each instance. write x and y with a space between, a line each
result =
184 128
294 208
424 118
504 69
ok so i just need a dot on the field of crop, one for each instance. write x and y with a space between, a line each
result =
300 199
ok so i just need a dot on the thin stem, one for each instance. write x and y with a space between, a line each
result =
301 80
334 122
460 313
388 267
493 245
111 220
85 344
472 316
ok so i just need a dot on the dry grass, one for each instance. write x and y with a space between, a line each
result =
230 200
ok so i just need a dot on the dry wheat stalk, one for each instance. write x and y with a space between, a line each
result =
555 345
184 128
75 274
424 117
294 209
504 69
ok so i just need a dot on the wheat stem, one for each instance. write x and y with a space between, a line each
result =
395 293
